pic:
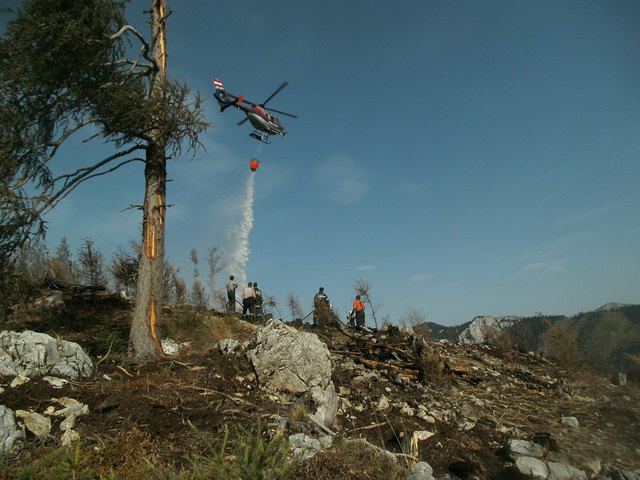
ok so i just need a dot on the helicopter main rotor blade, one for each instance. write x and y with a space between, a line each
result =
284 84
282 113
243 120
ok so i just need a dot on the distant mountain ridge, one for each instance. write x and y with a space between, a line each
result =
607 336
607 307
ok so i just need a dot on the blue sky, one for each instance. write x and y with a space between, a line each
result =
465 158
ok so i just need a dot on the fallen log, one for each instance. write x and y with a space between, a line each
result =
409 373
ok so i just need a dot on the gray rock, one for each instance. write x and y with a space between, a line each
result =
383 404
326 401
56 382
616 473
228 345
11 435
326 441
532 467
560 471
420 471
37 424
570 422
69 437
68 423
71 407
300 440
170 346
303 446
524 448
32 352
290 363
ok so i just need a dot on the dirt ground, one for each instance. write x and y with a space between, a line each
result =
167 410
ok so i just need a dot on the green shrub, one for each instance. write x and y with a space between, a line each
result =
243 454
60 463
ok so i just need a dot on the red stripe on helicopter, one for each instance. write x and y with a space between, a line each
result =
218 84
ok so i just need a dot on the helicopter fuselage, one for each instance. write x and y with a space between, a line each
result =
261 120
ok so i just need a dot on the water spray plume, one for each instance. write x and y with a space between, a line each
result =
241 234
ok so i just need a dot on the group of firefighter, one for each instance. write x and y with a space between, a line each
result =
251 297
322 312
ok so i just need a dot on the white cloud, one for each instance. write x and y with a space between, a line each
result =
539 268
568 240
585 215
421 277
342 179
366 268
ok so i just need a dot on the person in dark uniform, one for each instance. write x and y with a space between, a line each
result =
322 308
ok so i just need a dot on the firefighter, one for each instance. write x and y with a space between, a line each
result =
322 308
358 308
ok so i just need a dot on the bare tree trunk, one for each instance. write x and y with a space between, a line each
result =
362 288
144 344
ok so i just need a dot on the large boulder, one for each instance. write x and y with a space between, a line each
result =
293 364
27 353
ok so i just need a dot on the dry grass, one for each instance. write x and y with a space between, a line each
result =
351 460
204 329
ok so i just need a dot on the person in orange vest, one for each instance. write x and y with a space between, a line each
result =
358 308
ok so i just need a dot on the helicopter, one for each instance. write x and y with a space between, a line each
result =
263 122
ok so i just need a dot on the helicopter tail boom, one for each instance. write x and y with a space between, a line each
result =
224 99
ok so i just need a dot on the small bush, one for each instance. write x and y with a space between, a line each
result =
61 463
300 412
351 460
561 344
499 338
106 340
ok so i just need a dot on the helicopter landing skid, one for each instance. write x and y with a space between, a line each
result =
262 137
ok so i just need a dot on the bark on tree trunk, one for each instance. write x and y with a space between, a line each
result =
144 343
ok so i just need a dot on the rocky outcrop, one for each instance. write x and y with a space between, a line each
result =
26 353
293 364
12 433
480 328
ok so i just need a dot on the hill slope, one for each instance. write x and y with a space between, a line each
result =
140 417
